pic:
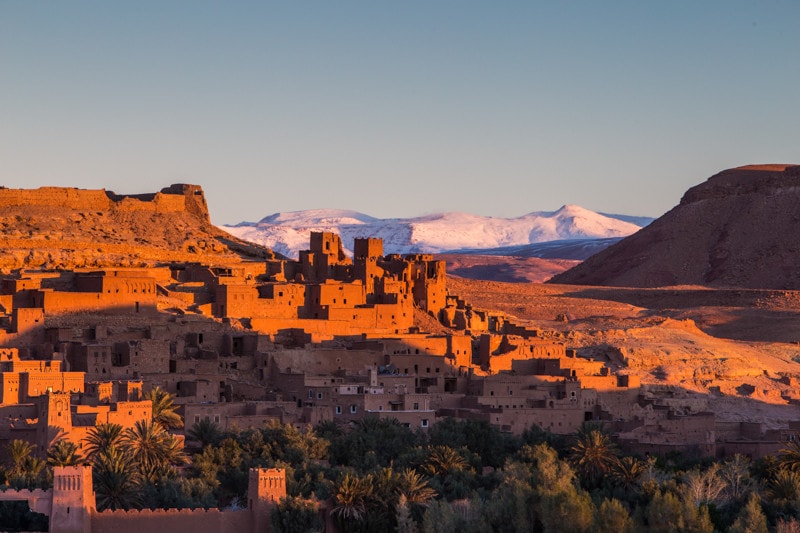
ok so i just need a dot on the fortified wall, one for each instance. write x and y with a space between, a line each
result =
173 199
70 504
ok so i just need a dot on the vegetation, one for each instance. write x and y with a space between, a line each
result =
379 475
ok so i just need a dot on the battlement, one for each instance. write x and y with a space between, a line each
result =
143 513
173 199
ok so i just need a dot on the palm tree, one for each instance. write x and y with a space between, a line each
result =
626 472
593 455
351 498
206 432
442 460
152 449
63 453
102 437
19 451
784 485
164 409
789 456
415 488
116 483
26 468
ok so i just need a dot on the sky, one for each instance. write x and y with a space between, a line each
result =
397 109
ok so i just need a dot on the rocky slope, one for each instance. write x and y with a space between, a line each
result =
741 228
73 228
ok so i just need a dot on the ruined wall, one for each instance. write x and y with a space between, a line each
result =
173 199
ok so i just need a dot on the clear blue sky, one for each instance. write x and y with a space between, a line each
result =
397 108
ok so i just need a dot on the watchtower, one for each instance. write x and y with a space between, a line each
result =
265 489
73 500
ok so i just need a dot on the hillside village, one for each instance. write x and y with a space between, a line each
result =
327 338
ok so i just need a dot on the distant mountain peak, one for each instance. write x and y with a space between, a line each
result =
288 232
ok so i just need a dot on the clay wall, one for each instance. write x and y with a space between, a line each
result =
33 384
6 303
342 295
24 319
14 364
9 388
560 422
172 520
176 198
39 500
241 414
140 356
95 358
367 248
672 433
197 390
61 302
378 319
234 300
422 365
56 197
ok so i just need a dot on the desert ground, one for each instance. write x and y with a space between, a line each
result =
738 349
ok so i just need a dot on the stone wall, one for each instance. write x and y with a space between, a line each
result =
174 199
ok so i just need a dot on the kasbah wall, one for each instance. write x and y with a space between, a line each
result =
175 198
70 505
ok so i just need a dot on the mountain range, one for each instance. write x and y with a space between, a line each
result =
571 226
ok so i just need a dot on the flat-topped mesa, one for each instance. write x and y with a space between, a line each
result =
751 179
173 199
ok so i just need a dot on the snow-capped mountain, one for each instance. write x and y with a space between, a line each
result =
288 233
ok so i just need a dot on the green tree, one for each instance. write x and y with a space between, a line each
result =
63 453
751 519
26 469
102 437
296 515
569 510
414 487
512 505
612 517
116 482
789 456
19 451
164 409
626 472
206 432
440 517
666 513
351 498
153 450
405 523
593 455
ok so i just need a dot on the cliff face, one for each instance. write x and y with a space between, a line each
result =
741 228
56 227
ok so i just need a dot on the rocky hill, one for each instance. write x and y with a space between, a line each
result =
55 227
741 228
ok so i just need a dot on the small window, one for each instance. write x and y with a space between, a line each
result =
424 422
319 396
338 409
353 409
416 406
